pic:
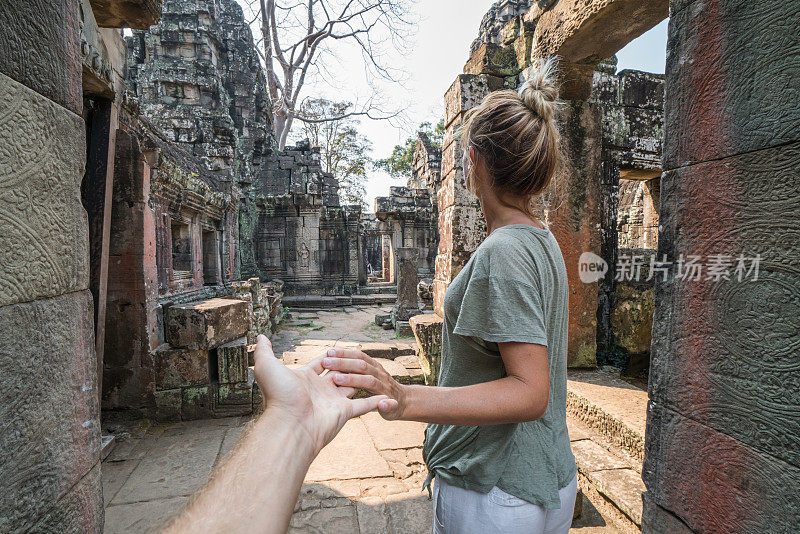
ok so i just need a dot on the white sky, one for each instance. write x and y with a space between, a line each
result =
440 48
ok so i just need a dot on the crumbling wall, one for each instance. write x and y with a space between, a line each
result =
410 214
199 80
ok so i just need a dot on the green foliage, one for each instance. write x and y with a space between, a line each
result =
344 152
400 163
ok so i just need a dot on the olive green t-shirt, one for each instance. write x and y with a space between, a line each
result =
513 288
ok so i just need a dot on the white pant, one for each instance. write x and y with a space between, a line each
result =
461 511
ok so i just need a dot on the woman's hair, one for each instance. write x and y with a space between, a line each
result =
516 134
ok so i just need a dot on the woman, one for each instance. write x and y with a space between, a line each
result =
497 443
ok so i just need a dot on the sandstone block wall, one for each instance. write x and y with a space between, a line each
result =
722 432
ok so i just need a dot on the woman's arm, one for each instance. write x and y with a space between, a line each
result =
521 396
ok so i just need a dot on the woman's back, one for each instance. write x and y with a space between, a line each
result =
514 288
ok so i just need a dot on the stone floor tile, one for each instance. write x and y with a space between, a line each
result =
410 513
232 436
374 487
577 430
373 517
624 487
351 454
340 520
114 476
150 516
178 464
394 434
592 457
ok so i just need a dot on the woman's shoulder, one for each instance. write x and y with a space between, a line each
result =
508 252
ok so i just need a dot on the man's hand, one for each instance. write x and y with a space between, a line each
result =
306 397
353 369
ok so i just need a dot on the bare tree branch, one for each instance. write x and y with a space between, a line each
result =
313 27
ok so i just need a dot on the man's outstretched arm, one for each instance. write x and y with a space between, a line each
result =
256 489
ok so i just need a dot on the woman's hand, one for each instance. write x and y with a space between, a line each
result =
314 403
354 369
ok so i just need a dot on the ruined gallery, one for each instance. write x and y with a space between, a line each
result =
153 228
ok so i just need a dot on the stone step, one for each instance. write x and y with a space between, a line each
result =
614 408
611 481
315 302
377 289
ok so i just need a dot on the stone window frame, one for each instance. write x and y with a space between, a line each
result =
180 278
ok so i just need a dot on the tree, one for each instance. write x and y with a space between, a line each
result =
311 27
400 164
343 150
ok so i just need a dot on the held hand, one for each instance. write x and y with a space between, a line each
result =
306 397
354 369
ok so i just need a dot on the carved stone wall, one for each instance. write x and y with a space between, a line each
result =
198 78
409 217
51 55
723 441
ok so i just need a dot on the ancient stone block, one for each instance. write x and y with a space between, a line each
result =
198 402
41 50
76 511
494 60
234 399
632 319
139 14
737 112
428 332
45 249
232 361
739 488
168 405
467 92
177 368
50 435
207 324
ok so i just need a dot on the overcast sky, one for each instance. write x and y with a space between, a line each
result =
438 53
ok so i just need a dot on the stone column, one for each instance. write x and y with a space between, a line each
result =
407 301
723 432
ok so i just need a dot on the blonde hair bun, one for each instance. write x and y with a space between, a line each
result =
539 92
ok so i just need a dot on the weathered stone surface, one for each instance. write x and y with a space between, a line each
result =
632 320
574 219
393 434
233 361
177 368
714 482
338 520
139 14
207 324
168 405
177 465
50 436
45 249
41 50
590 457
428 332
723 105
580 31
336 459
613 407
467 92
76 511
148 516
726 352
494 60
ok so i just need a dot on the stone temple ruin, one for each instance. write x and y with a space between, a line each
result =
152 228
